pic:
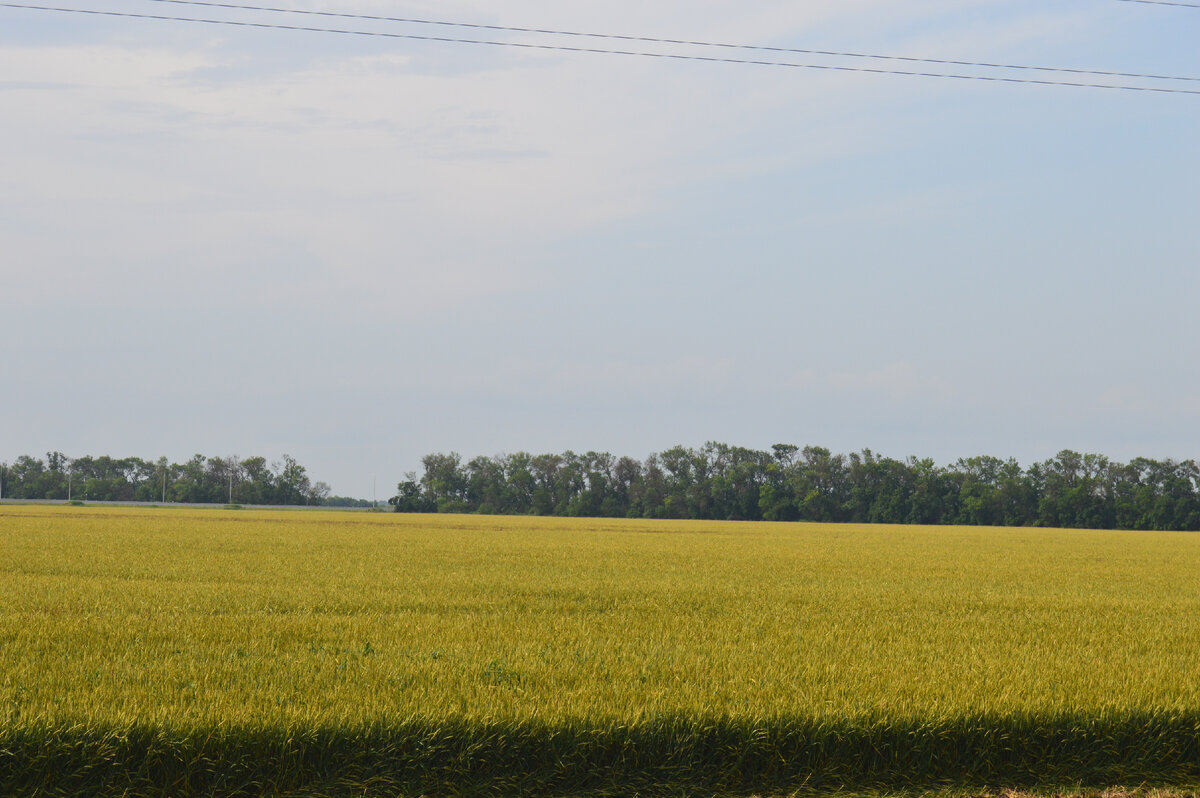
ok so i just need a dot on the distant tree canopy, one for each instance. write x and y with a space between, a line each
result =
788 483
346 501
200 480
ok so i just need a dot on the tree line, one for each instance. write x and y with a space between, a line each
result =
201 479
718 481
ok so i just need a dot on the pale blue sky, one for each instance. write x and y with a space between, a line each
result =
360 250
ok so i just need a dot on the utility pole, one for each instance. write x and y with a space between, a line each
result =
231 464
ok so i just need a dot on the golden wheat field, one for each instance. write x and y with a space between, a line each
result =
232 621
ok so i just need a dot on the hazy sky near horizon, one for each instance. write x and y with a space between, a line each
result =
358 250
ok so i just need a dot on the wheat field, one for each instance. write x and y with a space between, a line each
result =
238 652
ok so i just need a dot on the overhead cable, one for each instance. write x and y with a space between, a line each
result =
636 53
657 40
1163 3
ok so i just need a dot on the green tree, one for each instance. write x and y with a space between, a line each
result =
409 497
444 482
292 485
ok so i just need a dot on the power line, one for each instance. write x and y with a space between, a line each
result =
656 40
564 48
1163 3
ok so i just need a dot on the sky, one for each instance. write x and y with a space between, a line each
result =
358 250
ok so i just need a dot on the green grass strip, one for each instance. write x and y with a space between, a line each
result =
665 756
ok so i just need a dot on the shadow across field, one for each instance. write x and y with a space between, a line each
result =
665 756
